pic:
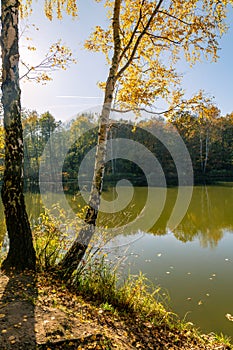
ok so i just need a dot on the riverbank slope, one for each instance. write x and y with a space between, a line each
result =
38 312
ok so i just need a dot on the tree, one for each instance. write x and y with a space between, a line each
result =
1 152
30 125
21 253
144 41
206 121
36 132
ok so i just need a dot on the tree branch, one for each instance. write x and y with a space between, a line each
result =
139 39
174 17
165 38
51 62
143 109
133 33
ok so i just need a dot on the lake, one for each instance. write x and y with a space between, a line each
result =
192 262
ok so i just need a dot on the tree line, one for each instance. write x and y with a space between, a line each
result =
207 138
209 143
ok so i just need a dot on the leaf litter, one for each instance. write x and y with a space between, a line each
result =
38 312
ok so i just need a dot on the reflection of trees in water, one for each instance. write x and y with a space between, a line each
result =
210 238
34 205
209 214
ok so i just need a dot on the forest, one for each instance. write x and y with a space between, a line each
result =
207 138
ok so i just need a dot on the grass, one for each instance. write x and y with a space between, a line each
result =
100 281
98 278
50 237
137 298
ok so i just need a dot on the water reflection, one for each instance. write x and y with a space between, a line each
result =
208 216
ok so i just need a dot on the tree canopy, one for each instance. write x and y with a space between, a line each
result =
153 37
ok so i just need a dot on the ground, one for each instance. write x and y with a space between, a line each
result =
36 312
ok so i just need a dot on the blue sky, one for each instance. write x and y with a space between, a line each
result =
76 90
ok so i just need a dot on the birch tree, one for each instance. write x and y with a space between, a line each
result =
142 45
21 253
206 123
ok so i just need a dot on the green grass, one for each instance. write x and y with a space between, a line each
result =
136 295
100 280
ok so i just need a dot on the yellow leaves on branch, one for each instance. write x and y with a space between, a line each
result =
154 35
200 105
31 48
59 56
2 142
69 6
141 86
25 8
51 6
100 41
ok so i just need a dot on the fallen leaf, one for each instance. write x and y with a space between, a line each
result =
229 317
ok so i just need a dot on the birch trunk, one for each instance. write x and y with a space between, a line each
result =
206 151
201 153
21 253
75 254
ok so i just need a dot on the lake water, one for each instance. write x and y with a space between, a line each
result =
193 262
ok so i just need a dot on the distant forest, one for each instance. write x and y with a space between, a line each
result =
208 140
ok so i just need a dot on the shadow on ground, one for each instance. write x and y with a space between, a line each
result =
18 295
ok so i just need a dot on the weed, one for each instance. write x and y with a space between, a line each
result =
101 280
50 237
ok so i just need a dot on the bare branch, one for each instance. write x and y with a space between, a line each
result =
165 38
143 109
174 17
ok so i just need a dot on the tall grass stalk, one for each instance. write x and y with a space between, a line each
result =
135 294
